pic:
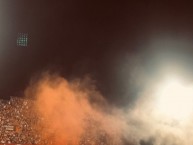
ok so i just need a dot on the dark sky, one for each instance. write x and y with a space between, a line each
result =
107 39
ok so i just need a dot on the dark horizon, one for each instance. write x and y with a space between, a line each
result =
107 40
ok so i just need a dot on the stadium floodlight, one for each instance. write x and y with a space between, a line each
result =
174 100
22 39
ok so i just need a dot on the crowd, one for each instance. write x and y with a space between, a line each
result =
18 122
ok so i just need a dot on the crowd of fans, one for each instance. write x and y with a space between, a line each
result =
18 122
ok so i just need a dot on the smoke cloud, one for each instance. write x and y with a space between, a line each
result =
75 113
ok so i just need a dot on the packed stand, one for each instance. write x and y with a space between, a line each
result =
17 121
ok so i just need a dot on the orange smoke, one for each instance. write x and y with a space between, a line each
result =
73 112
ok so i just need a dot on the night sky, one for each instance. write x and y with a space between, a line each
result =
114 42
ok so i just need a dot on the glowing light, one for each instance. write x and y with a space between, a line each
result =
22 39
175 100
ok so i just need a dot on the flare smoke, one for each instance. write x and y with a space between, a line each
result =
75 113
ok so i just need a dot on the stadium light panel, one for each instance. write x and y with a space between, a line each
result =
22 39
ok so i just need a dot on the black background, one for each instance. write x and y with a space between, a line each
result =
108 40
